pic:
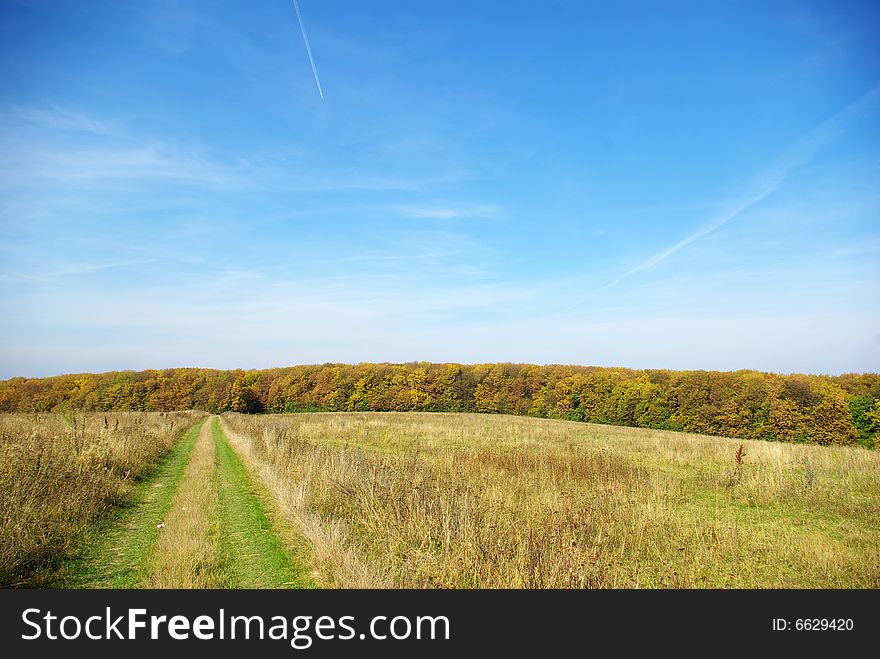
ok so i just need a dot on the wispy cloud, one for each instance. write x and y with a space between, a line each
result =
768 180
71 270
448 212
59 118
309 319
142 160
64 144
36 144
864 247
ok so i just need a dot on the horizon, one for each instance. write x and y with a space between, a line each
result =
643 186
430 363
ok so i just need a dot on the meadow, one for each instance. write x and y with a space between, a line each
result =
492 501
425 500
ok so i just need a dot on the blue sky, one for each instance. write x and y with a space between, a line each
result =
645 184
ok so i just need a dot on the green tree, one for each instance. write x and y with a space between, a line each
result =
865 412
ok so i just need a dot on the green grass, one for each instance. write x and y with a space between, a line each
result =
118 550
251 553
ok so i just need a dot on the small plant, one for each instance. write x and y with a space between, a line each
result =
738 458
733 476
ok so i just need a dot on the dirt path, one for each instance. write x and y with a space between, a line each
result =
202 521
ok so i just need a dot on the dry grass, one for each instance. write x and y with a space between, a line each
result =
335 561
185 553
454 500
61 474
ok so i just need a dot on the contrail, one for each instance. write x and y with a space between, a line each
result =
719 222
302 28
770 179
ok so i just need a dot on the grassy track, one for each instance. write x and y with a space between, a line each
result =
121 547
251 553
185 554
218 529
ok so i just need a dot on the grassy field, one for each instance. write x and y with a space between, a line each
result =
62 476
455 500
424 500
155 501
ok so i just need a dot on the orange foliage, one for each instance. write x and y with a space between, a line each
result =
744 404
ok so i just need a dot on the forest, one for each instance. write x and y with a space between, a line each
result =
815 409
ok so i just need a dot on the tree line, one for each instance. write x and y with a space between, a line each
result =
815 409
